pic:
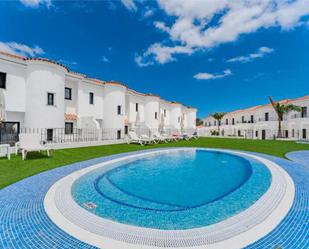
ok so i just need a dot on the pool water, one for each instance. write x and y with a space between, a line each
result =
175 189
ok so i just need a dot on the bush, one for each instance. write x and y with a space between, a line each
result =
214 133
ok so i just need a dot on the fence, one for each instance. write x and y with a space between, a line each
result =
291 134
77 135
62 135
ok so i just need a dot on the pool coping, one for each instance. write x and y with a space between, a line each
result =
242 239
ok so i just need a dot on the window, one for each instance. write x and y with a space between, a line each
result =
2 80
68 93
227 121
304 112
126 129
164 112
50 99
136 107
215 122
266 116
252 119
293 133
178 119
304 133
233 121
243 119
118 134
91 98
156 115
119 109
49 135
256 133
68 128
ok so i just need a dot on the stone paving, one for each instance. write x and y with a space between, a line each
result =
24 223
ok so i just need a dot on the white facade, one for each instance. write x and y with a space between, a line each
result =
261 122
43 94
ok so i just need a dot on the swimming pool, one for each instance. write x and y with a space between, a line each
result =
173 189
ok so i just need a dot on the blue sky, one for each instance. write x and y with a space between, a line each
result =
213 55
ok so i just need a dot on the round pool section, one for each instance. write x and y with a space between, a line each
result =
180 197
174 189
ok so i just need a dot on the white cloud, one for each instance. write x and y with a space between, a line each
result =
105 59
204 24
260 53
148 12
129 4
161 54
20 49
36 3
209 76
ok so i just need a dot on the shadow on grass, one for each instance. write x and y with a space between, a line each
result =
35 155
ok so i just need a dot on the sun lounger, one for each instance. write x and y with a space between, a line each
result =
31 142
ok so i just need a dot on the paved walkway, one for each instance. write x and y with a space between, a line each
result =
24 223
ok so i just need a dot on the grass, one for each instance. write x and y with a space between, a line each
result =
15 169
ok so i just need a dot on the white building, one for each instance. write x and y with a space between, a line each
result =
42 94
261 122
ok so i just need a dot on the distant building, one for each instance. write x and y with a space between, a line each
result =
261 122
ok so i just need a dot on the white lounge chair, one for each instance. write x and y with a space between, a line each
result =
133 138
150 139
159 137
31 142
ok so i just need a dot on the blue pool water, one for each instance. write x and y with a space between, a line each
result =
174 189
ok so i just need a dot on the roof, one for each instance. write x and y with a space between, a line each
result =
33 59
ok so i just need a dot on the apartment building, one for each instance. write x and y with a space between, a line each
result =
261 122
39 93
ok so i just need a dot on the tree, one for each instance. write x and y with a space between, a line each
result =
199 122
218 116
281 110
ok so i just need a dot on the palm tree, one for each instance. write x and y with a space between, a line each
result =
218 116
281 110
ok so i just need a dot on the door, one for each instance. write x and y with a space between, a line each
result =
9 132
263 134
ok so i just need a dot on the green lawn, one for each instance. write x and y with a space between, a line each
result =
16 169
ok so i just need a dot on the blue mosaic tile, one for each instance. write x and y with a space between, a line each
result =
24 223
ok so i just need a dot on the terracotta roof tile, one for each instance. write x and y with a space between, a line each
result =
70 116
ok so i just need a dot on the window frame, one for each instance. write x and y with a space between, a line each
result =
53 99
304 111
119 110
4 77
136 107
91 98
71 128
70 93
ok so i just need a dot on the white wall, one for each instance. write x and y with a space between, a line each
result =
85 109
175 115
131 100
43 77
114 95
15 92
152 106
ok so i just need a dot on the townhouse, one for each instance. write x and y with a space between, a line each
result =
261 122
40 93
